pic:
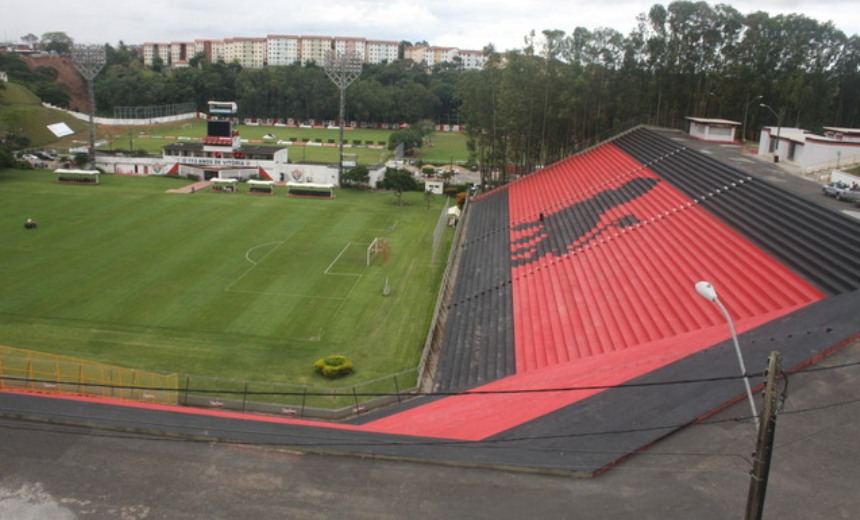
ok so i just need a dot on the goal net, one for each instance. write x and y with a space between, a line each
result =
379 246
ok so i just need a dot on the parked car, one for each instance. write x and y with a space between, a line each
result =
851 195
835 189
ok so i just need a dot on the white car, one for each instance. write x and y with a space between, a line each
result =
835 189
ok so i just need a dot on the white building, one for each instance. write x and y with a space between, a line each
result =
181 53
379 51
313 49
282 50
839 147
472 60
358 46
290 49
247 52
152 50
717 130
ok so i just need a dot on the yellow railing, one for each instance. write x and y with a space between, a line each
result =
33 371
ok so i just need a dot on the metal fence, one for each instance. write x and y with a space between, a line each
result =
48 373
25 370
153 111
301 401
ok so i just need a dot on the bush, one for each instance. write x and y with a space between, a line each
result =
333 367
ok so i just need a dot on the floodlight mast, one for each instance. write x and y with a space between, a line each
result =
89 60
342 68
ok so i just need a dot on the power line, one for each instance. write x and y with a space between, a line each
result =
476 392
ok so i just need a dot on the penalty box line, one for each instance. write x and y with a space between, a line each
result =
277 244
347 246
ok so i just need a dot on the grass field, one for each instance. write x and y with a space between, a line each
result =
443 148
237 286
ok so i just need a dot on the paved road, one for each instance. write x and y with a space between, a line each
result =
55 472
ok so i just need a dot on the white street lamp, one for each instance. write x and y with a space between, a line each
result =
778 129
707 291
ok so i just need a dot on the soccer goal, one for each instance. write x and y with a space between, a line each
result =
378 246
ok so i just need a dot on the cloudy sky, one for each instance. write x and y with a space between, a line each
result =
467 24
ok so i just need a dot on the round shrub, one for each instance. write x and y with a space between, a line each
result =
333 367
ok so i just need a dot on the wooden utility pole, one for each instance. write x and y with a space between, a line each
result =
764 445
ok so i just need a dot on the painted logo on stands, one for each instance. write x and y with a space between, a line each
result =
573 227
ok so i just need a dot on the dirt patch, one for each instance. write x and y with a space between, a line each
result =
191 188
67 75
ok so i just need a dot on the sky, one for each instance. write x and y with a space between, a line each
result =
465 24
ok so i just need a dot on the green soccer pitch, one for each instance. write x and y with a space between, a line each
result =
237 286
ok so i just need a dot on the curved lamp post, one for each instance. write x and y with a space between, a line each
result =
707 291
778 128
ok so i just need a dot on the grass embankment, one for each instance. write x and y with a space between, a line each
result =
252 288
21 112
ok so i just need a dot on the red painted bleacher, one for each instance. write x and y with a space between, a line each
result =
634 285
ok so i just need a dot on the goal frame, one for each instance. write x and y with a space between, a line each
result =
379 245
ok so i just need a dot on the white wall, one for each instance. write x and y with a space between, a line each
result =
707 132
126 122
812 153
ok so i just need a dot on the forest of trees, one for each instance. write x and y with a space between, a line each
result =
560 92
564 92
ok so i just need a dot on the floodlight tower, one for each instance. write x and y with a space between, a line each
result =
342 68
89 60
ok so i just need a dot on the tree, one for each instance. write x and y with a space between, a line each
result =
357 177
410 138
399 181
54 93
58 42
30 39
7 160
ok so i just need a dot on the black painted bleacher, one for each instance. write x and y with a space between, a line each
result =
819 244
478 344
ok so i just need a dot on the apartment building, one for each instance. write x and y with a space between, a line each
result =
283 49
291 49
379 51
358 46
247 52
313 48
472 60
431 56
153 51
180 53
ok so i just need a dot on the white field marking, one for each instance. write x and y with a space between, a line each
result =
248 252
348 244
337 257
290 295
278 243
253 263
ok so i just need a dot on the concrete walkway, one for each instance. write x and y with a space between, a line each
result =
191 188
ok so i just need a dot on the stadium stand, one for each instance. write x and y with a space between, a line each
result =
599 253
